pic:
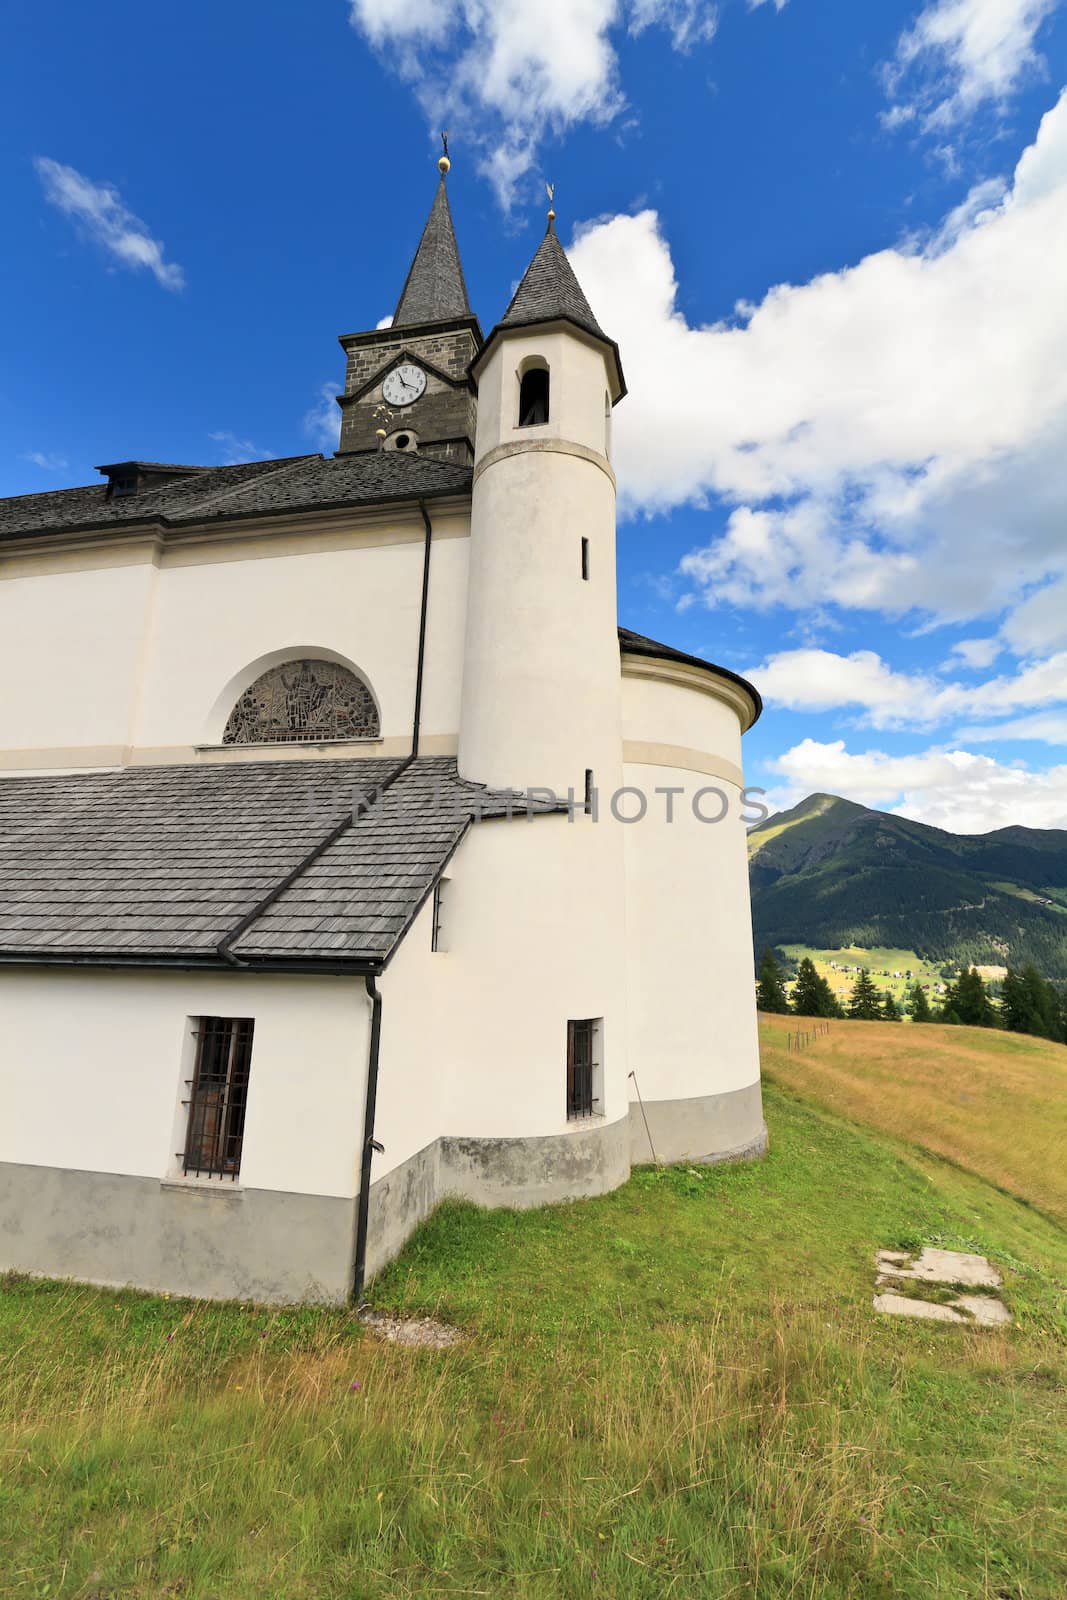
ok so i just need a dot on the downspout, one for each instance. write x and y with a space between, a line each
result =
371 1145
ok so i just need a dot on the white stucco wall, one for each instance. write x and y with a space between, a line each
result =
541 686
92 1066
474 1039
70 653
689 938
143 660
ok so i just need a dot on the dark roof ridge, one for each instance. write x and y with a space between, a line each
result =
287 464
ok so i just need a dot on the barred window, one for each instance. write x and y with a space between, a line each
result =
583 1069
218 1092
303 701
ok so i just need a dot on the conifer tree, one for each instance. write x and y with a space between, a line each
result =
890 1009
770 990
919 1005
812 995
865 1002
1030 1004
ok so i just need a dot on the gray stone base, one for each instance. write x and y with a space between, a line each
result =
518 1173
222 1241
214 1242
713 1127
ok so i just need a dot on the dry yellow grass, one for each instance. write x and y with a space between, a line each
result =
992 1102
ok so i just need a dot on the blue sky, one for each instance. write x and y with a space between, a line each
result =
841 229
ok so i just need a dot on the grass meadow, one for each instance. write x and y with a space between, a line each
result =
678 1390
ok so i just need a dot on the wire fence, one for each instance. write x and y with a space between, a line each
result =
807 1037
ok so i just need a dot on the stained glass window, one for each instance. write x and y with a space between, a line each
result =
303 701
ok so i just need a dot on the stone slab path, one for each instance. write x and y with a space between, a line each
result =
950 1269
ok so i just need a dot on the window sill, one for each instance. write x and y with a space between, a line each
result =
224 1186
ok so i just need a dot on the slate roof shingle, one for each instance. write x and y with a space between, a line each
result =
253 488
549 290
435 289
164 863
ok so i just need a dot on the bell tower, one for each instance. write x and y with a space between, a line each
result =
541 683
408 386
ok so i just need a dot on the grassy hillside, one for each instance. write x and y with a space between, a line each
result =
993 1103
679 1389
830 873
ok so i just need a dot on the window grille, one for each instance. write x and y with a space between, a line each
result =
303 702
581 1064
219 1090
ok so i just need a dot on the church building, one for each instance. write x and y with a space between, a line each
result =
352 856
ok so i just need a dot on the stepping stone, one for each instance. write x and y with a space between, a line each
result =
940 1266
902 1305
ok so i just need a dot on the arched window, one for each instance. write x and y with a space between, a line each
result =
303 702
533 397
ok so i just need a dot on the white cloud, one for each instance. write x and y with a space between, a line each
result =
1046 727
322 422
99 209
891 435
974 654
235 451
508 71
46 460
953 789
821 680
959 55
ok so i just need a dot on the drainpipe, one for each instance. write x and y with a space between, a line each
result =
370 1143
371 1146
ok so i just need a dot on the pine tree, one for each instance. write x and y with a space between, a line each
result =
919 1005
812 995
1030 1004
864 1001
890 1009
972 1003
770 990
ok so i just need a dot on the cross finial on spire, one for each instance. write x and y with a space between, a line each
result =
550 190
444 164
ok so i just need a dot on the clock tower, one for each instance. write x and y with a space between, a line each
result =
408 386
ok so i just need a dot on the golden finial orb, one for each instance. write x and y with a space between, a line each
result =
550 190
444 164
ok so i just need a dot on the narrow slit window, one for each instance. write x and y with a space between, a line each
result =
218 1094
583 1069
533 397
589 798
585 560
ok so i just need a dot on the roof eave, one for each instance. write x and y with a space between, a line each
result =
503 329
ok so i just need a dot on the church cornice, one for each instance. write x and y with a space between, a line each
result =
412 330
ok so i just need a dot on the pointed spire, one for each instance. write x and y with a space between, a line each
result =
435 290
549 290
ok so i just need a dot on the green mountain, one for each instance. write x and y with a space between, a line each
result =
830 873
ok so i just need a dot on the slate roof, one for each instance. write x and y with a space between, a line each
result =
162 864
253 488
549 290
636 644
434 290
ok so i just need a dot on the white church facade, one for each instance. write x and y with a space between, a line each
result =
351 855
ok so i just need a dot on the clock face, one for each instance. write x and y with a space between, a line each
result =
404 385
